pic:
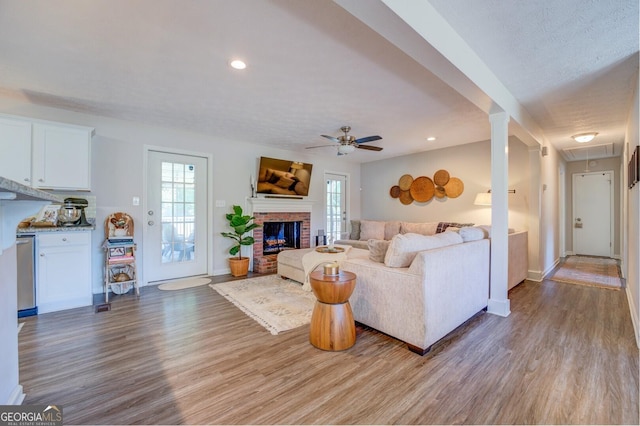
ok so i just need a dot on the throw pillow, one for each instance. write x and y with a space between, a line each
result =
378 249
404 247
391 228
355 230
442 226
428 228
371 229
471 233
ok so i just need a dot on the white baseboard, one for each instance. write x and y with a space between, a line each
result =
16 397
634 316
221 271
499 307
538 276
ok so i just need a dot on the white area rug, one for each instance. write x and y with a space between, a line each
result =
275 303
591 271
182 284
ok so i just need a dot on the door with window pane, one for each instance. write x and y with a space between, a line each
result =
336 208
176 228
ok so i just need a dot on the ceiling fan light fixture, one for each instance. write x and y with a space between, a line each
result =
584 137
346 149
238 64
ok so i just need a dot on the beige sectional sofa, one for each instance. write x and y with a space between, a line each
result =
425 287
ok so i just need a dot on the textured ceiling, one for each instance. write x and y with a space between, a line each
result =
313 67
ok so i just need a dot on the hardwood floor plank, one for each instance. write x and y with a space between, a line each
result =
565 355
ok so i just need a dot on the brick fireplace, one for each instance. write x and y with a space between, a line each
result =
277 210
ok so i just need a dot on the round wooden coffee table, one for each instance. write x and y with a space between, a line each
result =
332 325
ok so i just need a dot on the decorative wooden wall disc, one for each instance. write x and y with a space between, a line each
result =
405 197
454 188
405 182
441 177
422 189
440 192
395 191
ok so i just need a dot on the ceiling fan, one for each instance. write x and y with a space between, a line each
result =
348 143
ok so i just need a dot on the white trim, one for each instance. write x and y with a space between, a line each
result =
499 307
287 205
16 397
209 202
634 316
347 196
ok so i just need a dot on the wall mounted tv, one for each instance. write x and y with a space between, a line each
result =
283 177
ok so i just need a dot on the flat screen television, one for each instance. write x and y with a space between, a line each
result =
283 177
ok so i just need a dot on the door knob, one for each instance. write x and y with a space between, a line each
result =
150 212
150 223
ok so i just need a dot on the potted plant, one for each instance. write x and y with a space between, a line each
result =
241 225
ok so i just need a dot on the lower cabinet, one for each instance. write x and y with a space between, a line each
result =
63 271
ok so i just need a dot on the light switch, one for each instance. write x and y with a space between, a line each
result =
136 201
220 203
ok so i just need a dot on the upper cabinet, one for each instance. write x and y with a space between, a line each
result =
45 154
15 150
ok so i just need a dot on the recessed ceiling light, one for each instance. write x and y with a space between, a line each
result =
238 64
584 137
431 138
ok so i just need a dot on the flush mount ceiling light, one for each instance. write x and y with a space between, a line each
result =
238 64
584 137
431 138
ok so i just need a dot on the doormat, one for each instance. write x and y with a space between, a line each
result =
182 284
275 303
589 271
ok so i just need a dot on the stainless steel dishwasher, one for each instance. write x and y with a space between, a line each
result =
26 250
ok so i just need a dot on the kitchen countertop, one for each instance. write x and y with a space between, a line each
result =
41 229
14 191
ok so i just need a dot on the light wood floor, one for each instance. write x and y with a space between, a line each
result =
565 355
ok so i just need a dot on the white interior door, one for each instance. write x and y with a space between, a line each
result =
592 213
176 228
336 206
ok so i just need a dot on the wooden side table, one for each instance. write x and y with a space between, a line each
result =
332 325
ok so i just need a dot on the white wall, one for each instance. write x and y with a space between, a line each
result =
632 256
471 163
117 173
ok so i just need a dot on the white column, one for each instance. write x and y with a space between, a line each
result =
498 299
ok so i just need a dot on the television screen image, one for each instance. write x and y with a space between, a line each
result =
283 177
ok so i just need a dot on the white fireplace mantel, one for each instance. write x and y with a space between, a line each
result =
288 205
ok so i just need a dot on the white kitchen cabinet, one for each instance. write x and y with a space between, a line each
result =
63 271
15 150
61 157
45 154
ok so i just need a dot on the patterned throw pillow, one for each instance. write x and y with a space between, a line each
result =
442 226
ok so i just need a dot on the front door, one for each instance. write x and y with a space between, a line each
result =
592 207
176 216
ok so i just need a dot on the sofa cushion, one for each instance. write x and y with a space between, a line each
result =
378 250
371 229
391 229
428 228
471 233
487 230
355 230
404 247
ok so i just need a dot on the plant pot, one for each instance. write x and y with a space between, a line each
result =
239 267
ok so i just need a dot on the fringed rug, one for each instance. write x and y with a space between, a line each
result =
184 283
590 271
275 303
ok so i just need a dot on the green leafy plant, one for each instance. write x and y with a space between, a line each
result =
241 224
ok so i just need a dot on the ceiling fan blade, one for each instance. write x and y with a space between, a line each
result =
369 147
320 146
331 138
368 139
